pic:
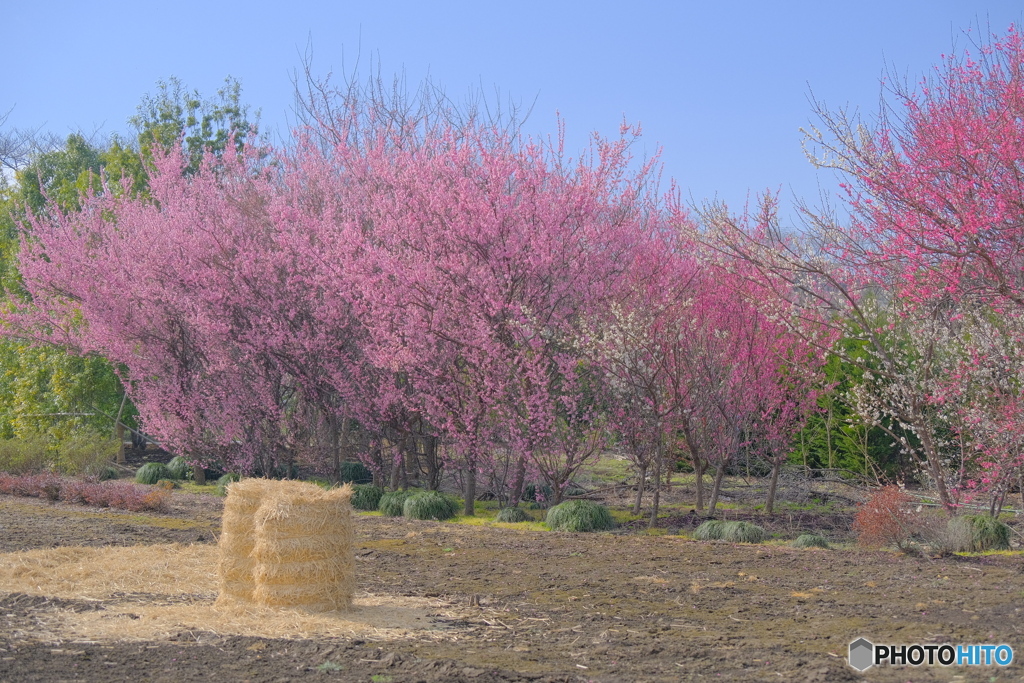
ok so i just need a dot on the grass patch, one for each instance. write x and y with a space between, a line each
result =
355 472
222 484
366 497
430 505
980 533
710 530
512 516
151 473
392 503
811 541
742 532
204 489
609 470
579 515
179 468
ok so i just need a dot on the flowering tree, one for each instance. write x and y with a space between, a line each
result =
387 271
934 186
937 204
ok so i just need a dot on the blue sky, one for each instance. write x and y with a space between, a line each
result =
721 87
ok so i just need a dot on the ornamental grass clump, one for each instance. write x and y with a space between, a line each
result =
355 472
224 480
392 503
811 541
742 532
178 468
979 533
579 515
512 516
366 497
710 530
430 505
151 473
107 473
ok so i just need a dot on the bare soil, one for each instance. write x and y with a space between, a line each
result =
542 606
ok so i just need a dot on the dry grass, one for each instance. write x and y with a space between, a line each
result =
154 592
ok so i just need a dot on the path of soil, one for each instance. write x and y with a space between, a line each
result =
542 606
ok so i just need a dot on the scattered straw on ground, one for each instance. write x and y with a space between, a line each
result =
157 591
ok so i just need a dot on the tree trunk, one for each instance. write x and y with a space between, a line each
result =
433 466
769 506
198 474
657 487
935 470
716 487
120 443
394 475
518 481
803 451
335 451
640 488
468 509
698 472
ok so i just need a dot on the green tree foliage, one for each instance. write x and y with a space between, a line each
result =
176 115
49 391
836 437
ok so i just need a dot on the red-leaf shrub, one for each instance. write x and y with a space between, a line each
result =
74 491
886 519
116 494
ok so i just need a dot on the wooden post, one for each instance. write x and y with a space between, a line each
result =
120 443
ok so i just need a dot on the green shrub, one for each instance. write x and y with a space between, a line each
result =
742 532
710 530
179 468
512 515
151 473
579 515
25 456
538 493
109 472
366 497
980 533
222 483
355 472
430 505
392 503
86 454
810 541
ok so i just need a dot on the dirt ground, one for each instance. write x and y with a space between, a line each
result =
506 604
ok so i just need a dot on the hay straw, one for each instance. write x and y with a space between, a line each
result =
97 573
303 549
287 544
159 591
235 564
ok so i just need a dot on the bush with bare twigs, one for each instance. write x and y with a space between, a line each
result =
886 520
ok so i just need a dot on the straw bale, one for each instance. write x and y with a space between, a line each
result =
235 564
276 534
304 549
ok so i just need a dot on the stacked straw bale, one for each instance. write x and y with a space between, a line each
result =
300 552
237 539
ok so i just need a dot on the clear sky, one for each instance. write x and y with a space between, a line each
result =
722 87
